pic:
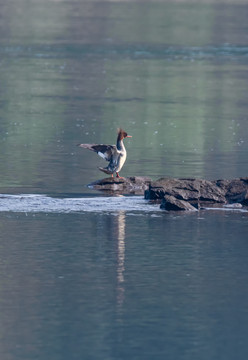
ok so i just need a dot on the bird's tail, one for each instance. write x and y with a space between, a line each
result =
105 170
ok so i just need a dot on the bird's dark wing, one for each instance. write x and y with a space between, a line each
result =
105 151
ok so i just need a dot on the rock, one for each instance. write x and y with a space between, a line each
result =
198 192
130 185
170 203
236 191
192 190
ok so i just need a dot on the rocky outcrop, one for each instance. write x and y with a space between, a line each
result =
130 185
189 194
179 194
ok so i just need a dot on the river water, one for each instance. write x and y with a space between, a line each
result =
85 275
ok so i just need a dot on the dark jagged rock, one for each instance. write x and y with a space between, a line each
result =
130 185
186 189
197 192
236 191
170 203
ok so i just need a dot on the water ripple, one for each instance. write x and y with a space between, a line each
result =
226 51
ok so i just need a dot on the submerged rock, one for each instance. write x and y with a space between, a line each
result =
187 194
131 185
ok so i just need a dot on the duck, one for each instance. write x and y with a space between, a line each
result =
115 154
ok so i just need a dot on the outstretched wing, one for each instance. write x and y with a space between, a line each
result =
105 151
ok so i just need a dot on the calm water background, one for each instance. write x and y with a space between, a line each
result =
122 284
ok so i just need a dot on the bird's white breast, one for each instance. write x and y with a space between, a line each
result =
121 160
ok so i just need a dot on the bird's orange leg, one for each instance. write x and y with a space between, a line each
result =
118 176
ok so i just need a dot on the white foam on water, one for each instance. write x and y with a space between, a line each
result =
42 203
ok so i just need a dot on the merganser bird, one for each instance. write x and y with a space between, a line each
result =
115 154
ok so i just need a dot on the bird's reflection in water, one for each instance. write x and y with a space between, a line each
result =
120 232
114 228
